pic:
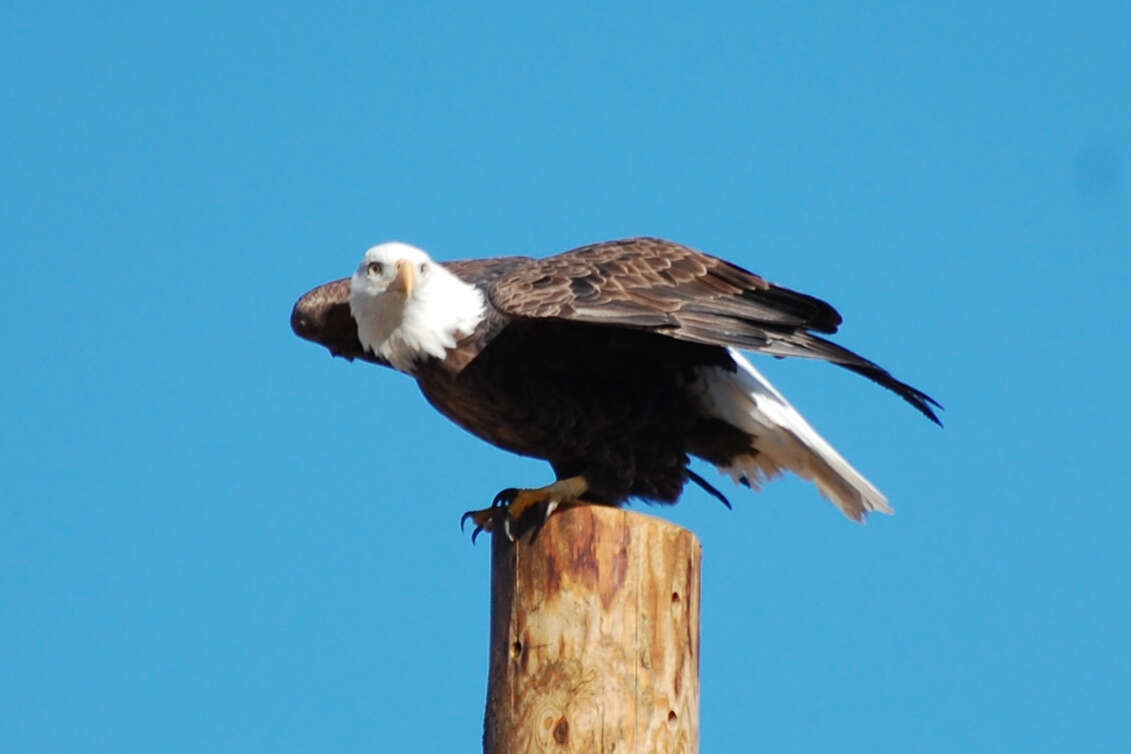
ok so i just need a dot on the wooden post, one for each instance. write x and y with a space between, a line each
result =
595 637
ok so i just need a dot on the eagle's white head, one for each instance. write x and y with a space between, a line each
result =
408 307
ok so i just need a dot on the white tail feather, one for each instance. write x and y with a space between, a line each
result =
783 440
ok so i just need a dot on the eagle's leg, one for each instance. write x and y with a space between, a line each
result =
512 505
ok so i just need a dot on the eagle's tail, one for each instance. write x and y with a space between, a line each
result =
782 439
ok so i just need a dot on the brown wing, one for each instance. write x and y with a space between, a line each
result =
657 285
322 315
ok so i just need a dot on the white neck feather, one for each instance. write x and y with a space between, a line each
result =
441 310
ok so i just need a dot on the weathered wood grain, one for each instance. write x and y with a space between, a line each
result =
595 637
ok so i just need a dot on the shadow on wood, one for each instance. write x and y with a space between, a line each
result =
595 636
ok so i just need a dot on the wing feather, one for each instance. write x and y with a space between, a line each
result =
658 285
653 276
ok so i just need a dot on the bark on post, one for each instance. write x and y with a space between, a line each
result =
595 637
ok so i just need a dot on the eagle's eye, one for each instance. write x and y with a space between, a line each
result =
423 267
376 268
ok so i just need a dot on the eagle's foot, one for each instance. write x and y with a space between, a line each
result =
513 510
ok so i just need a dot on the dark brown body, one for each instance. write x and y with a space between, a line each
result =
620 407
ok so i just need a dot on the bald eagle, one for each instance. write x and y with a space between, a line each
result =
615 362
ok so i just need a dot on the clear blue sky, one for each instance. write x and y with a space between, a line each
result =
215 538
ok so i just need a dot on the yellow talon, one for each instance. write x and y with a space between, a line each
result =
512 505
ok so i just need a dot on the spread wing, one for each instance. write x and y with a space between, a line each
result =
657 285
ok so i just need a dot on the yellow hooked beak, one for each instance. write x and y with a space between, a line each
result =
402 283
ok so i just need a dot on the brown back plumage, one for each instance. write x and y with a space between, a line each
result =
670 289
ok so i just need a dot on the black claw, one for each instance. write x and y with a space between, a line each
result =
478 527
708 487
505 497
501 517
